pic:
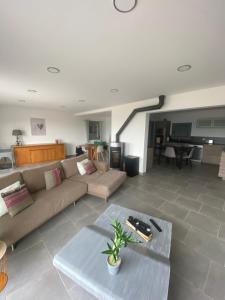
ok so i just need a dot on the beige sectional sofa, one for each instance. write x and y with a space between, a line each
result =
48 203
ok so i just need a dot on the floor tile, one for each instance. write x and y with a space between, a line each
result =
78 211
174 210
212 201
179 229
77 293
58 236
203 222
46 287
222 232
166 195
206 245
183 290
27 264
215 286
28 241
189 192
215 213
188 203
189 264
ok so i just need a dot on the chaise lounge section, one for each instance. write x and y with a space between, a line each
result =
102 183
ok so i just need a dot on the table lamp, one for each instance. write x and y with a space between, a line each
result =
17 133
3 266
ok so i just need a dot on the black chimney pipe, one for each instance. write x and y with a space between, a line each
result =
137 110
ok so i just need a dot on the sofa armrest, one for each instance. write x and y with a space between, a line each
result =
101 166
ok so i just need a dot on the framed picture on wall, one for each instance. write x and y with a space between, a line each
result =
38 126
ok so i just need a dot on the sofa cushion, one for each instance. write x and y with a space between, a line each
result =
11 187
101 166
107 183
86 178
34 178
62 195
10 179
46 205
102 184
17 200
70 165
52 178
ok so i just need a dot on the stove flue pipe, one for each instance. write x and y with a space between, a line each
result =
137 110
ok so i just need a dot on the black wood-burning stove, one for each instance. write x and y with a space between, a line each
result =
116 155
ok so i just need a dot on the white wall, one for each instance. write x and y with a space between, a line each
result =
59 125
192 117
136 132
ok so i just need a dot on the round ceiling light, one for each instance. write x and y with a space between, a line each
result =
32 91
114 91
184 68
53 70
124 6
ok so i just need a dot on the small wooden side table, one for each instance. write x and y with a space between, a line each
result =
3 266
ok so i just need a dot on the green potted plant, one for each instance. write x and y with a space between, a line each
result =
121 239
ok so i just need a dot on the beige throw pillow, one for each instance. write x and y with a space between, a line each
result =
12 187
81 166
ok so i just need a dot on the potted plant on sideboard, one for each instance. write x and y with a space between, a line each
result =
121 239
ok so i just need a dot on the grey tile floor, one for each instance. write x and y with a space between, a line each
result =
192 199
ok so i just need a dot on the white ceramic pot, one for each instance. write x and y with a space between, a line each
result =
114 269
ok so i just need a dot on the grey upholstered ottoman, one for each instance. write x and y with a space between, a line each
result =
145 269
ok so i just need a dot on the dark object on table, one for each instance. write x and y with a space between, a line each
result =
79 151
156 225
132 165
143 229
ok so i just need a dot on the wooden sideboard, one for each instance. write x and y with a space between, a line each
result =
32 154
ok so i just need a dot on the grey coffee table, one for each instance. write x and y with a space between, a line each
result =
145 269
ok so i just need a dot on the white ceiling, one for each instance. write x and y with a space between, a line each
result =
98 48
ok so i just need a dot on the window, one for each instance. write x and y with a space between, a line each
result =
94 130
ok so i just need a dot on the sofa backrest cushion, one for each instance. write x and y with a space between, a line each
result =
70 165
35 178
10 179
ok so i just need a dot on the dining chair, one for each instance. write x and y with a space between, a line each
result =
188 157
170 152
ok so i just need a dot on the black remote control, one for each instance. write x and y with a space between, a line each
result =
156 225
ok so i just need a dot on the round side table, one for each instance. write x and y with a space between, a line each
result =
3 266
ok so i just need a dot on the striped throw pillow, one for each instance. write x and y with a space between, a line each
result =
17 200
53 178
89 167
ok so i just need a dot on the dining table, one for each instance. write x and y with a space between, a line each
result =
181 149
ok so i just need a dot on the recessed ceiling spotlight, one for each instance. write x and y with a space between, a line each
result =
81 100
53 70
124 6
32 91
114 91
184 68
22 101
